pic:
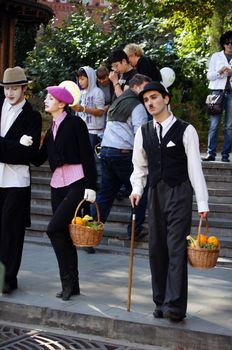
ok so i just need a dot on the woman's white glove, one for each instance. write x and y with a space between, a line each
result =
90 195
26 140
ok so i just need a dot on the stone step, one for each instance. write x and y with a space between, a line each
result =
217 168
122 214
219 181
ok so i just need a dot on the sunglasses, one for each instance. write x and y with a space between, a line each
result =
228 43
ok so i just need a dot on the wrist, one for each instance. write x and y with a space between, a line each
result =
116 84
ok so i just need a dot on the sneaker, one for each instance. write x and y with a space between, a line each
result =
225 159
209 158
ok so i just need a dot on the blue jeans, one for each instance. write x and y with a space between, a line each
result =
214 128
116 169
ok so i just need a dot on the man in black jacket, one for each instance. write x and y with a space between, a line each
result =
143 64
20 132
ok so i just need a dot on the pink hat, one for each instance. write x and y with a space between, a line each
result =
61 94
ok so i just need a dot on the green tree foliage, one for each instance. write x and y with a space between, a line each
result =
61 51
24 42
176 33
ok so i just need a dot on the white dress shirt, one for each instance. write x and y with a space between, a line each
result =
12 175
191 145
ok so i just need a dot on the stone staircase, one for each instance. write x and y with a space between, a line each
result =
219 181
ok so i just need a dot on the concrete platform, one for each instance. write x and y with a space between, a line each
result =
101 309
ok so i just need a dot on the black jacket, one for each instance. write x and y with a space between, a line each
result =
147 67
29 123
71 146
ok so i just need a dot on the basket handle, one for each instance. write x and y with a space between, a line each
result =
199 228
97 208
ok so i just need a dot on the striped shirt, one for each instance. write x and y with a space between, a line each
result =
68 173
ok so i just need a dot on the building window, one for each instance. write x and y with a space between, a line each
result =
87 2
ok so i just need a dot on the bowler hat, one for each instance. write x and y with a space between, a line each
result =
157 86
14 76
61 94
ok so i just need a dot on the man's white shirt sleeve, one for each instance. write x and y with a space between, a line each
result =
196 176
139 176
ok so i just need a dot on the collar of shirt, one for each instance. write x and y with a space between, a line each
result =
9 115
14 108
166 124
59 120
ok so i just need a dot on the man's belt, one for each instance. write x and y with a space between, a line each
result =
119 149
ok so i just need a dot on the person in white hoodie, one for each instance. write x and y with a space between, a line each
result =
220 78
91 110
92 102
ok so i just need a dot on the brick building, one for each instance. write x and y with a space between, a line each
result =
16 13
63 8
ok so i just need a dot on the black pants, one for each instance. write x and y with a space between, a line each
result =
13 216
64 202
170 214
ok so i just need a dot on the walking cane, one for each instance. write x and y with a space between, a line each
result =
131 260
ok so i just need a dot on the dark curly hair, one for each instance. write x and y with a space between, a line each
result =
224 37
117 56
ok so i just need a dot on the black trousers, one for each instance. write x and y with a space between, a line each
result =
13 216
64 202
170 215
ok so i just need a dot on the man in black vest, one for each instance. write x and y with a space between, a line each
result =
166 150
20 130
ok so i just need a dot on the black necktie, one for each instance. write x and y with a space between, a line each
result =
160 132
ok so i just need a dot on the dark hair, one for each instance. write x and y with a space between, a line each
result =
81 72
224 37
139 79
117 56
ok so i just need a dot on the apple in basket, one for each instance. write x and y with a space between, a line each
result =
211 242
87 221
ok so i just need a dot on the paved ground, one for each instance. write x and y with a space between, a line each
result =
101 309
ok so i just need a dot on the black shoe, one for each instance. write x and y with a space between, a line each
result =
209 158
7 289
140 236
122 193
158 313
225 159
75 291
173 317
89 250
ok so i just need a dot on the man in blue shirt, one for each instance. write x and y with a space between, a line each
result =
125 115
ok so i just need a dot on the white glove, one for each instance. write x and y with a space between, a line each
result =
26 140
90 195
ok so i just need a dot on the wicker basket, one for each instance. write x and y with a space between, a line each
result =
201 257
84 236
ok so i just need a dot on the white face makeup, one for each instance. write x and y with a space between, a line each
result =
155 103
51 104
14 94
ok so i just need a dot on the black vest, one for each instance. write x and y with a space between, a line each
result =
166 163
